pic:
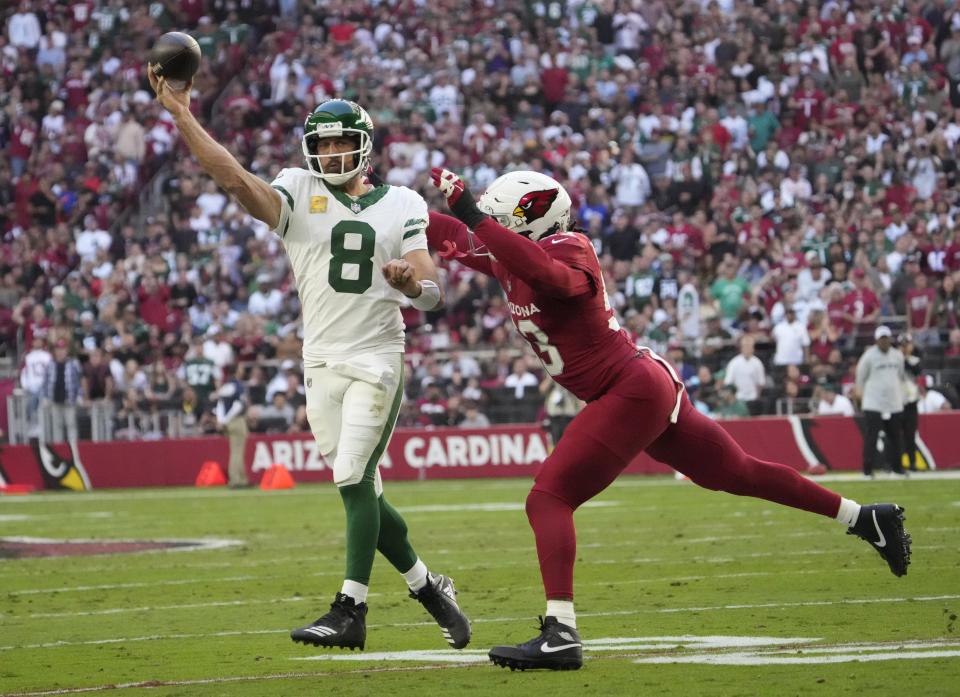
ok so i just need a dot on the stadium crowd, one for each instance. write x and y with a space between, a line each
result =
769 179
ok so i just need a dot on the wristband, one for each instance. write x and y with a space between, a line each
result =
429 297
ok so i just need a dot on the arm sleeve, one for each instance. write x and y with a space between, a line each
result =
414 229
445 228
863 371
561 278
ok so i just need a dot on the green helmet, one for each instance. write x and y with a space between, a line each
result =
333 119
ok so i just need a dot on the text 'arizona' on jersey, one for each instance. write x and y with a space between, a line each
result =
337 244
572 329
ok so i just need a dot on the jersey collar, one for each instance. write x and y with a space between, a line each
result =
362 202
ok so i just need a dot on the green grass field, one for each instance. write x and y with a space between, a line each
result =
681 592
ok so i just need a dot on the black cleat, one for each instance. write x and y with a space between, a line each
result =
439 597
558 648
343 627
881 524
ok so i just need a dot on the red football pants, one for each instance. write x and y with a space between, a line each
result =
633 416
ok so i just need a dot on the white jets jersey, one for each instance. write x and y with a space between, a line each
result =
337 246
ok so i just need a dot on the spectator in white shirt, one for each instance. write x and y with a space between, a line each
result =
216 348
24 27
632 181
746 372
520 378
931 401
811 280
831 403
91 239
265 301
793 342
794 188
402 173
211 201
32 375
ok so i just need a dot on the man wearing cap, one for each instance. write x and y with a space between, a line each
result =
61 392
880 374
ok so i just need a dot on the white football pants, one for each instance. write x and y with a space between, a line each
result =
352 410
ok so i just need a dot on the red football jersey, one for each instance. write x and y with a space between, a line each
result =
578 340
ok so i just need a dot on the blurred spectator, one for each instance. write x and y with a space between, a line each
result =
730 406
32 375
745 372
230 413
61 393
931 400
520 378
561 406
280 382
880 374
793 341
472 416
279 410
911 396
830 403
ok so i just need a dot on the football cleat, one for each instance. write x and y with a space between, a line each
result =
439 597
881 524
343 627
558 648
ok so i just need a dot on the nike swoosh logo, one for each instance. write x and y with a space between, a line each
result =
546 648
883 540
558 241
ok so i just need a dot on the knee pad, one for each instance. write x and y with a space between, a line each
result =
348 469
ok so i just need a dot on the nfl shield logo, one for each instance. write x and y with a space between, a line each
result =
355 207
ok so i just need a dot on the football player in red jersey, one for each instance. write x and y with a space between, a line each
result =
519 234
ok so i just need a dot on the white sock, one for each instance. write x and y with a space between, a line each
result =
563 611
357 591
416 577
849 512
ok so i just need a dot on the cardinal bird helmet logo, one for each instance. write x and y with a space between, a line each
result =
535 204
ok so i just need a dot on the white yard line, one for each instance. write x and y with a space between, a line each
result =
479 620
810 603
224 680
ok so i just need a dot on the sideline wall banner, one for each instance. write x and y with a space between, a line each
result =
442 453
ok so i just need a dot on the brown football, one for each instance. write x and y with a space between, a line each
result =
175 56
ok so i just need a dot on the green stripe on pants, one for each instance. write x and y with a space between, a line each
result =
371 467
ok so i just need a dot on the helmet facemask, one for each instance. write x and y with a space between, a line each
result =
360 154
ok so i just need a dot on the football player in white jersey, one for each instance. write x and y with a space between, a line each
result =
355 250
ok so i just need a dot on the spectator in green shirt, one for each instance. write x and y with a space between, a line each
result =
730 406
762 124
729 290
